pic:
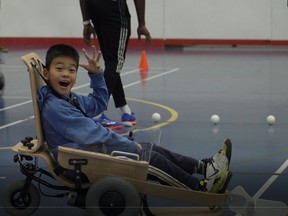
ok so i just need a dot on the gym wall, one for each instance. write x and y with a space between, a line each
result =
170 22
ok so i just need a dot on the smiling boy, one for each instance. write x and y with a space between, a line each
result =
63 122
67 120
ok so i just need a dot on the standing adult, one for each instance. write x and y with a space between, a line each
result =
110 20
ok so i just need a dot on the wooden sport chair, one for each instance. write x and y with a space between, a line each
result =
89 172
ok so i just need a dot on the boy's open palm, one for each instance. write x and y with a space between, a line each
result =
93 65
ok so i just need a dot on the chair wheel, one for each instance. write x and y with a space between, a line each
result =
112 196
16 205
2 83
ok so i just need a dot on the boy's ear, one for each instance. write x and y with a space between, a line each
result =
45 74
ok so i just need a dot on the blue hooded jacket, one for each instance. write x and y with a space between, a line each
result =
66 125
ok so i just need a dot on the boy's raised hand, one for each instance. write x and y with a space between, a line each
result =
93 65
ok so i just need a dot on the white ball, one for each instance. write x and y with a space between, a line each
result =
215 119
271 119
156 117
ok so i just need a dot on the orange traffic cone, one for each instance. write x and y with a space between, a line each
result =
144 67
144 62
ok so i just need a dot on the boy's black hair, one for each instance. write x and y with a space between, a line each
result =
61 50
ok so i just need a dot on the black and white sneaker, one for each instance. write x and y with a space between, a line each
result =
219 162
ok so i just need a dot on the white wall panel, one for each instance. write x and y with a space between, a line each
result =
189 19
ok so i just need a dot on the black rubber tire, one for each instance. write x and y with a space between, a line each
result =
20 207
2 83
112 196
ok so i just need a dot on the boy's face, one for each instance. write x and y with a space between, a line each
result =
62 75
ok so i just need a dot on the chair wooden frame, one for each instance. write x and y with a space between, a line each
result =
134 172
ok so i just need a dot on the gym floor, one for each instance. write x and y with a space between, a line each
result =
243 85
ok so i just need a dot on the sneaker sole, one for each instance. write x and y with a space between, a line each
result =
228 154
223 190
114 127
129 123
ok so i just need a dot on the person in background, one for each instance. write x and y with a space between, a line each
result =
110 20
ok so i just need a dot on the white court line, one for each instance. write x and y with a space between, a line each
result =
129 72
16 105
5 148
137 82
87 84
153 77
81 86
16 122
271 180
16 97
75 88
